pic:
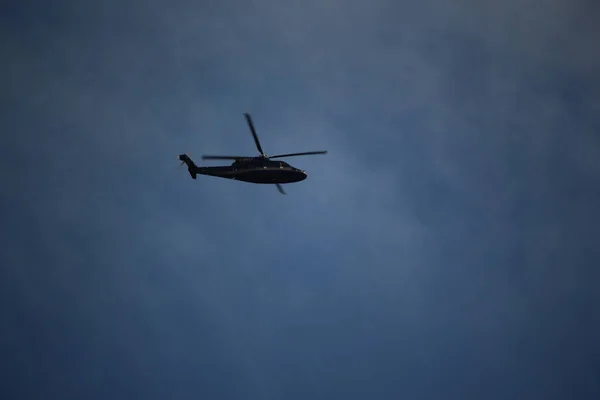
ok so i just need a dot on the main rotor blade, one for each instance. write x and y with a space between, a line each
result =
223 157
299 154
280 188
251 125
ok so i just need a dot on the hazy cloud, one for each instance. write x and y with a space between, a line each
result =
444 247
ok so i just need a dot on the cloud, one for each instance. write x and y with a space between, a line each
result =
457 195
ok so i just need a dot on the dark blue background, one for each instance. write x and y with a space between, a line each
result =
446 247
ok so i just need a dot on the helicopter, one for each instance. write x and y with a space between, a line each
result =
261 169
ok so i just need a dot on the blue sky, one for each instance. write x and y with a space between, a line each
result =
446 247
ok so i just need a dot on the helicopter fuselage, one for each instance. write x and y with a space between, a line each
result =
262 169
254 171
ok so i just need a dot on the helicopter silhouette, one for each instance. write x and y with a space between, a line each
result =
261 169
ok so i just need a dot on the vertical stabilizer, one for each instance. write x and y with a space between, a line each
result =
190 164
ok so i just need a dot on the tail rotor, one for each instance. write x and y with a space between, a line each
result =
192 167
